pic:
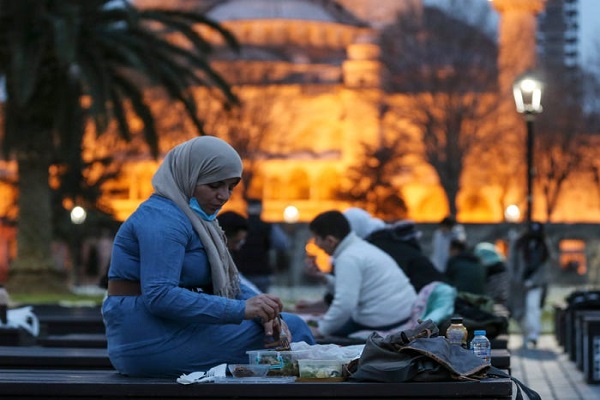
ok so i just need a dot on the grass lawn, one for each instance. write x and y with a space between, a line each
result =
82 297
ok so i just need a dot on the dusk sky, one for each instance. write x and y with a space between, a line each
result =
589 34
589 26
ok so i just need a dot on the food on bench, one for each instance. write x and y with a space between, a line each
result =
248 370
320 369
281 363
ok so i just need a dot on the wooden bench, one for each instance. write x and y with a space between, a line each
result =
98 340
501 359
11 336
580 319
57 320
97 358
560 311
499 342
26 357
81 340
92 385
591 349
581 301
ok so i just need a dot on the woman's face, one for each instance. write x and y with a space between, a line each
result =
212 196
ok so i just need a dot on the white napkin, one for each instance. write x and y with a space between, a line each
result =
203 377
23 318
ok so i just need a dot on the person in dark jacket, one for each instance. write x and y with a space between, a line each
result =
530 259
235 227
401 241
464 270
498 277
253 259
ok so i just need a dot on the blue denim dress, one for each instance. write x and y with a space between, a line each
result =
170 330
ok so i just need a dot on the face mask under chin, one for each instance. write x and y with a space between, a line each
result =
194 205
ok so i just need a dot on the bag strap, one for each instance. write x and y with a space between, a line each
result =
521 387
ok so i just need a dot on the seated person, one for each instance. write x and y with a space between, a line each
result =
235 227
464 271
370 291
175 302
401 241
435 301
498 279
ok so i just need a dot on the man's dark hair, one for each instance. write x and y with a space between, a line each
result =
332 223
232 222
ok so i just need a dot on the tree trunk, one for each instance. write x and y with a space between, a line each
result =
33 270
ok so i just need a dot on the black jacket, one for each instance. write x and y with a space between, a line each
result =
408 255
466 273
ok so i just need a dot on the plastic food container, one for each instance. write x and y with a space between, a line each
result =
248 370
321 369
281 363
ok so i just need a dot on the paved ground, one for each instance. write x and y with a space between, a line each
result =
548 370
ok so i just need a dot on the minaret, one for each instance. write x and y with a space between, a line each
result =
516 55
517 39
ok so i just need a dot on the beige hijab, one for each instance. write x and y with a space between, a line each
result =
202 160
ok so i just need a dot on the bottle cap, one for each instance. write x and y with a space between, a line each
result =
456 320
479 333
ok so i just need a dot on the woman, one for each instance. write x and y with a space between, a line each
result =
175 303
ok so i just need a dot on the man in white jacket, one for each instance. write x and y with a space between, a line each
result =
370 291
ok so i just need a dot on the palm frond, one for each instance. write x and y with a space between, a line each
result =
141 109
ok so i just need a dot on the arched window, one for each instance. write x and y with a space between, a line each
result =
572 256
274 189
257 185
326 186
298 185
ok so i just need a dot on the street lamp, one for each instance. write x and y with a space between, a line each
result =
78 216
527 91
291 215
512 214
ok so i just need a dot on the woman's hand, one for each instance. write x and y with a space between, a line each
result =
275 330
264 307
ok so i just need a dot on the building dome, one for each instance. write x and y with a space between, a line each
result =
306 10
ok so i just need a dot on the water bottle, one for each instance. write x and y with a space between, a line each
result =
456 332
481 347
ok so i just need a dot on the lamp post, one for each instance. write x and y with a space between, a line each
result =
527 91
78 216
291 215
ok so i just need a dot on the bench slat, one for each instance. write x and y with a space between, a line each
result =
97 358
99 384
53 357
